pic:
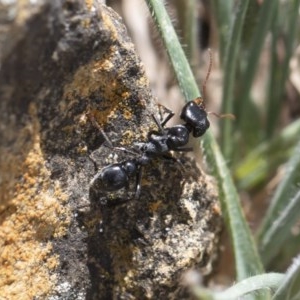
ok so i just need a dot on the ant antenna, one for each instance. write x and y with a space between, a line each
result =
95 123
230 116
199 100
207 74
108 141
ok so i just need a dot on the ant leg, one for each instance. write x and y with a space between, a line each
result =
169 116
173 159
187 149
126 150
162 123
94 162
158 124
138 182
108 141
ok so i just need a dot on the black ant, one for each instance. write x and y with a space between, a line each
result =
159 144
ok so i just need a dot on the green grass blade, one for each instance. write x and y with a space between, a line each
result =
230 63
188 24
283 212
283 258
247 260
256 168
273 100
242 288
223 14
252 284
290 287
264 21
279 71
181 67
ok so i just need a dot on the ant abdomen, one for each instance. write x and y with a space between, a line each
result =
114 177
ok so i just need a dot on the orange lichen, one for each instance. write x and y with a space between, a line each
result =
143 81
127 114
107 21
129 136
89 4
103 65
216 209
155 206
126 95
97 77
32 212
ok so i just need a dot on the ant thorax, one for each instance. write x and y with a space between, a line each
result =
155 146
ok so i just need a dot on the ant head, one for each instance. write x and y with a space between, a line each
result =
194 112
195 117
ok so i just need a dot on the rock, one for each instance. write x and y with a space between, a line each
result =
61 62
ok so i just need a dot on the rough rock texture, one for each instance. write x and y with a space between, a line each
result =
61 62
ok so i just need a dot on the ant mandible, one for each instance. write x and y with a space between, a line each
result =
159 144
